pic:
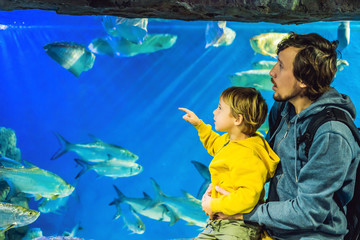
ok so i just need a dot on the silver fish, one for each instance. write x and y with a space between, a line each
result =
70 55
340 64
4 190
58 238
102 46
53 206
114 168
131 219
343 35
205 173
264 128
124 48
146 207
132 29
73 232
10 163
187 208
258 78
266 43
36 182
32 233
264 64
94 152
13 216
217 34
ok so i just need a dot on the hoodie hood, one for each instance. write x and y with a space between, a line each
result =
264 151
330 98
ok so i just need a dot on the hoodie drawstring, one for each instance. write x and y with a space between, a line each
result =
296 148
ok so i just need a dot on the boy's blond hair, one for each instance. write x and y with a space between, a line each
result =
249 103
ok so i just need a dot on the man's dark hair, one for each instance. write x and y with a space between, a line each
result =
315 63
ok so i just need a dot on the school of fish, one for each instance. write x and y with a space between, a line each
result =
125 38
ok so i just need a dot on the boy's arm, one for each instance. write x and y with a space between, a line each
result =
210 139
248 175
190 117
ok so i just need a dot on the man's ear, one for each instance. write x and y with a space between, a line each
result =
302 84
239 120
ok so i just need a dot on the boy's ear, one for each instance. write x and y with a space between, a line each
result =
239 120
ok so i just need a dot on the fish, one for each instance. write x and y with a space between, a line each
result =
264 128
13 216
258 78
58 238
53 206
10 163
124 48
131 219
58 205
343 35
102 46
340 64
205 173
266 43
72 56
132 29
187 208
114 168
4 190
142 206
264 64
32 233
94 152
217 34
74 231
36 182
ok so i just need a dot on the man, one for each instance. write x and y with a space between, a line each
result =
306 186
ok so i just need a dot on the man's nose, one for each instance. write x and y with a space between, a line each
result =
272 72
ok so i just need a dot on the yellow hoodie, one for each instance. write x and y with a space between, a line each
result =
240 167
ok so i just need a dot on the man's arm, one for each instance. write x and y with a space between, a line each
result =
221 215
329 160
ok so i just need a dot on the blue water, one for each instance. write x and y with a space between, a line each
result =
131 102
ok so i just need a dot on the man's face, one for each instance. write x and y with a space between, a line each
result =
286 86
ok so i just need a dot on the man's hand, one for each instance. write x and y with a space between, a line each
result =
208 190
206 205
190 117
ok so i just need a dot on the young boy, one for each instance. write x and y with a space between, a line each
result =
243 161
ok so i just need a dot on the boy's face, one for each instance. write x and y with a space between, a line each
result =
224 120
286 86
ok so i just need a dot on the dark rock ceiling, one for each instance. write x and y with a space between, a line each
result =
276 11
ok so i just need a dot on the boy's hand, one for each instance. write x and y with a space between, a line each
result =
190 117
